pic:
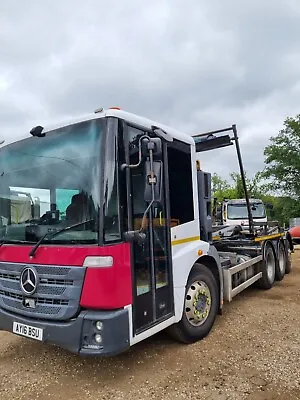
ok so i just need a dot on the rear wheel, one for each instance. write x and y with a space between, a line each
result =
289 251
268 267
200 307
288 267
281 261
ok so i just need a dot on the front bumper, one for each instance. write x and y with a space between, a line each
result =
77 335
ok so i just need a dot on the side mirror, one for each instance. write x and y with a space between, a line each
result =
153 184
269 206
153 144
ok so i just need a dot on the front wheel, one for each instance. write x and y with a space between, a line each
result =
200 306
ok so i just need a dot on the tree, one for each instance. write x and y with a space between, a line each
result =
238 185
257 188
282 157
219 184
221 189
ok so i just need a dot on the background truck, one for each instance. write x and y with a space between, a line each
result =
22 209
134 252
234 212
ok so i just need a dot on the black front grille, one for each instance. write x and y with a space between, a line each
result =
12 295
61 282
39 300
57 295
10 277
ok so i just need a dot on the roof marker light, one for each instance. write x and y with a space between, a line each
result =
114 108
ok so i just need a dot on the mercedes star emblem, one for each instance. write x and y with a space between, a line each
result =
28 281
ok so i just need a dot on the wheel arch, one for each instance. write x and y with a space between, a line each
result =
212 261
184 330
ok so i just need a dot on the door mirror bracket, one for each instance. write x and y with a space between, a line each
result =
147 147
135 236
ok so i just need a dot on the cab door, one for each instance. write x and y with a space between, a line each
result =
151 257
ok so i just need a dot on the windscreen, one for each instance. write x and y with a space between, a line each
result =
50 183
239 211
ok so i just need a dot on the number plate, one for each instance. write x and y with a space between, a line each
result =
28 331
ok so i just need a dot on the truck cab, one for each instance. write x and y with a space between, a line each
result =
234 212
118 244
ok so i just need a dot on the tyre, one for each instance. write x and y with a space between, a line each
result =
268 267
289 240
281 261
200 307
288 267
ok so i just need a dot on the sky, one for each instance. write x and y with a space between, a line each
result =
193 65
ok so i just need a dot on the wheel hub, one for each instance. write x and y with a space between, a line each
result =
198 303
270 261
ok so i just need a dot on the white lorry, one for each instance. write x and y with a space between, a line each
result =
234 212
141 256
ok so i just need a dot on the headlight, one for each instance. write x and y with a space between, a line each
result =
98 338
99 325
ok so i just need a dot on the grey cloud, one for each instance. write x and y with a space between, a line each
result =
195 66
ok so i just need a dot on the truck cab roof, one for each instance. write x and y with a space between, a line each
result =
243 201
117 113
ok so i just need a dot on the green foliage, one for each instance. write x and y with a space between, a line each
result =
222 189
286 208
282 157
282 171
283 209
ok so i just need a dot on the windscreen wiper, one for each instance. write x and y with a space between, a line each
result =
8 241
52 234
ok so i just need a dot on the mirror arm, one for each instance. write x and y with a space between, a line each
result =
152 174
145 215
123 166
152 190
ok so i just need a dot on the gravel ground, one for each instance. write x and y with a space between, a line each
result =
252 353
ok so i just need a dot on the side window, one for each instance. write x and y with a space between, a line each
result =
180 182
112 228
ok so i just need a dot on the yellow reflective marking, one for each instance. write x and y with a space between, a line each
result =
185 240
267 237
216 238
160 219
258 239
